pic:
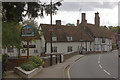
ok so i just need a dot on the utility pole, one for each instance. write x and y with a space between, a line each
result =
51 58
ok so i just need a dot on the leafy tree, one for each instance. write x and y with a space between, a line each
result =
32 23
16 11
69 24
11 35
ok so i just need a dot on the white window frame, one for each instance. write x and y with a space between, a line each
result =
69 49
35 51
54 49
10 50
23 51
69 38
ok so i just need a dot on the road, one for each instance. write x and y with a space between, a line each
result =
96 66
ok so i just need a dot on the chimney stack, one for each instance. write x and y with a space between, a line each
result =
58 22
77 22
97 19
83 17
84 21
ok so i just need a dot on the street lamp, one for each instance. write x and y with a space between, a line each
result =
51 33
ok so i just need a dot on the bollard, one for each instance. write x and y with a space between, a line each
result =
51 60
60 59
56 59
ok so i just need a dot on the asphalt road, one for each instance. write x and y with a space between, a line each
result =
96 66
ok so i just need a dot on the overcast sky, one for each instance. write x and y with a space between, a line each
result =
70 12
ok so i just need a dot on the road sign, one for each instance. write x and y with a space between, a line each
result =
50 29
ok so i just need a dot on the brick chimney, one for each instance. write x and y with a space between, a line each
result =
83 17
97 19
77 22
84 21
58 22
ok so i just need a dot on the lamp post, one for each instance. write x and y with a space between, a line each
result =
51 58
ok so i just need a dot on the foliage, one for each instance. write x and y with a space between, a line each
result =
113 46
32 23
69 24
36 61
27 66
15 11
4 63
11 34
113 28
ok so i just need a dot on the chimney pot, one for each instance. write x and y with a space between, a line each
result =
58 22
83 17
77 22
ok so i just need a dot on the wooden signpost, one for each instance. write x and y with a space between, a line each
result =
28 33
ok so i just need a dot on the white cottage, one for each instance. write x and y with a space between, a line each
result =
85 36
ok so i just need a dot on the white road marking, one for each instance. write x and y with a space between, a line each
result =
98 62
106 72
100 66
99 58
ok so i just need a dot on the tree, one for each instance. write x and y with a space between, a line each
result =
16 11
32 23
69 24
11 35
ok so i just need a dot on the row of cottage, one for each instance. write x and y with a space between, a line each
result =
68 39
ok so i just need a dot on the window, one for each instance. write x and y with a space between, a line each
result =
9 49
54 38
69 38
69 48
35 51
23 51
54 49
103 40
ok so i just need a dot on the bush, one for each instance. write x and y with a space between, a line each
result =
4 63
36 61
27 66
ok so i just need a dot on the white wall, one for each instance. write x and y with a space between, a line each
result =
103 46
62 46
31 50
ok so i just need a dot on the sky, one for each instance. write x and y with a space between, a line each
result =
70 11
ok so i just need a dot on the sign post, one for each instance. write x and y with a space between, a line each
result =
28 33
51 57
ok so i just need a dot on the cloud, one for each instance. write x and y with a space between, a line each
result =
86 6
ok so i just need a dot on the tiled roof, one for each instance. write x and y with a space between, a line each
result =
99 31
62 32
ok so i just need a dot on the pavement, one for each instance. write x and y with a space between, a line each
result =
56 71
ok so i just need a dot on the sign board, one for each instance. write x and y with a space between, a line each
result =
27 31
50 29
30 46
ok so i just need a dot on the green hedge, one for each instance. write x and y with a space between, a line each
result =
27 66
33 62
36 61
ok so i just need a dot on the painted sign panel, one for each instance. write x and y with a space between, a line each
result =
27 31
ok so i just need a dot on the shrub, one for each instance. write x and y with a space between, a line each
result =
27 66
4 63
36 61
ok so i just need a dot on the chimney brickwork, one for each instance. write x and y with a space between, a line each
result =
97 19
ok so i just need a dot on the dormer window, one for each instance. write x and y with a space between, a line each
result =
69 38
54 38
103 40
